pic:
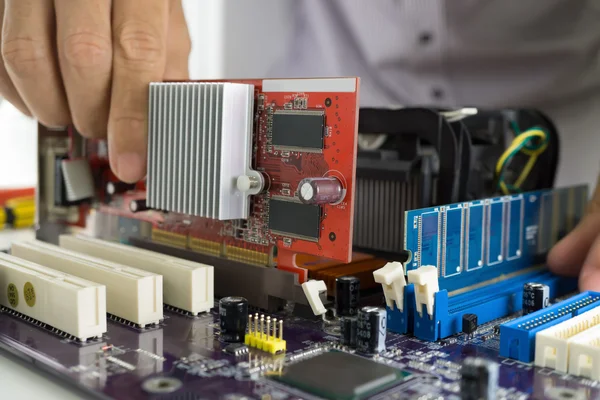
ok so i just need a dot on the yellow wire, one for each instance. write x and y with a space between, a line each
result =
526 171
518 143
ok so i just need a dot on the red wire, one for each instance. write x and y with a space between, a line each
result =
7 194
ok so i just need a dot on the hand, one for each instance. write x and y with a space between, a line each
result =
579 252
89 63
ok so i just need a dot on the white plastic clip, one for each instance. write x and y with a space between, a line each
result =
312 291
426 284
391 278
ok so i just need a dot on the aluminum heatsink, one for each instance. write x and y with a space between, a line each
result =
199 150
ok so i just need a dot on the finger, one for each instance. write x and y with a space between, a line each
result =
568 255
139 42
179 45
594 206
28 50
7 89
85 55
590 272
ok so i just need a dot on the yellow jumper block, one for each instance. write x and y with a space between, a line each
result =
261 336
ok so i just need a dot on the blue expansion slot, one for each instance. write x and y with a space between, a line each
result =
517 337
490 244
481 240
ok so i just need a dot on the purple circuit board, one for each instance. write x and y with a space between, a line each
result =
185 353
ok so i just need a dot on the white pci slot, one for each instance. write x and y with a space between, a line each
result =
584 356
552 345
187 285
131 294
65 302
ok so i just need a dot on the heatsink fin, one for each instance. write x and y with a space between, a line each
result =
200 147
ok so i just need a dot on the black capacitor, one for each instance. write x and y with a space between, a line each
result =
347 292
113 188
138 205
233 318
371 330
535 297
348 331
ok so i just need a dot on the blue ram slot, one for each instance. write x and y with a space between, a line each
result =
402 322
517 337
516 232
490 302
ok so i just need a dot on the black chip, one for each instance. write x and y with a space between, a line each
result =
298 129
295 219
236 349
469 323
341 376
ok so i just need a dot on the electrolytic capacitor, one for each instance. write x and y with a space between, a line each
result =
138 205
348 331
347 292
535 297
371 330
233 318
113 188
326 190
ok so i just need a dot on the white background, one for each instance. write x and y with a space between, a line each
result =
236 39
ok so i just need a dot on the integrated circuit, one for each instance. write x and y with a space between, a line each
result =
298 130
341 376
295 219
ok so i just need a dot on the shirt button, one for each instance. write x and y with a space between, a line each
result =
425 38
437 93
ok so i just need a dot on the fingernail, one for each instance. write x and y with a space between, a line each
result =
130 167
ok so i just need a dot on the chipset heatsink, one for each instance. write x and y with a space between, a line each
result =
200 149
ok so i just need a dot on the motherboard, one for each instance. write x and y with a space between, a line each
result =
229 272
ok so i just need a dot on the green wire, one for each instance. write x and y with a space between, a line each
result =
528 144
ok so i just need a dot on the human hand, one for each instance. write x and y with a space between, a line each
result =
579 252
89 63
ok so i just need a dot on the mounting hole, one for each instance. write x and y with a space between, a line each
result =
161 385
332 236
328 102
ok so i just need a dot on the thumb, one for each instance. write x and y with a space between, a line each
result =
579 251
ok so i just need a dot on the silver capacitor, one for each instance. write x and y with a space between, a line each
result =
371 330
325 190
